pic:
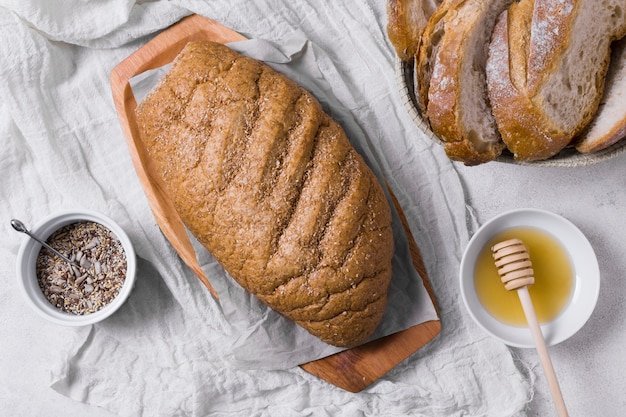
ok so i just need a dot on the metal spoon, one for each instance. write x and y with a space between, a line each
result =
20 227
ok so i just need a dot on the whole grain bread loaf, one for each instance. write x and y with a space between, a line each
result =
272 187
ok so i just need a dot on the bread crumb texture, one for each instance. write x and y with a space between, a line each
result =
271 186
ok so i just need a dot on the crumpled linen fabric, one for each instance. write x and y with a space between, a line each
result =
163 352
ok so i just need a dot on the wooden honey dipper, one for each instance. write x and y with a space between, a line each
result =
515 269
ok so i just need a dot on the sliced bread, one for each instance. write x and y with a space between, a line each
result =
609 124
546 70
405 21
428 46
457 106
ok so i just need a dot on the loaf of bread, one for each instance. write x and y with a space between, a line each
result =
546 70
271 186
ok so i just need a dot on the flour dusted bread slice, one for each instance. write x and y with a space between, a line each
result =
609 124
546 70
405 21
457 105
271 186
428 46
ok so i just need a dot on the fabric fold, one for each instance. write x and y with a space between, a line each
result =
163 353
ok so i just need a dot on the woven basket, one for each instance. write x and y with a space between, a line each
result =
568 157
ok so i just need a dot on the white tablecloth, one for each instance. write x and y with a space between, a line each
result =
163 353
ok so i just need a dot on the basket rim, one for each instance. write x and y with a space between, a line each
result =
568 157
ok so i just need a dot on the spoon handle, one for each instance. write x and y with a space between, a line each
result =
50 248
19 226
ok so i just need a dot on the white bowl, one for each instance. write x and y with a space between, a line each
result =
586 277
27 277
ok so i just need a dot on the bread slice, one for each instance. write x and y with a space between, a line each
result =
457 106
428 46
546 69
405 21
609 124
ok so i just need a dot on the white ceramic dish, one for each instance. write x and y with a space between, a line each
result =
27 278
586 271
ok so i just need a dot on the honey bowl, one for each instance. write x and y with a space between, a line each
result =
567 278
91 289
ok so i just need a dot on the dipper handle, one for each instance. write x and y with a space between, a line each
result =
515 269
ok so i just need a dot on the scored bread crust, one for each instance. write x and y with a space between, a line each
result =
544 81
515 113
271 186
457 106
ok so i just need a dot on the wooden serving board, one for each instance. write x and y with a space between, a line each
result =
353 369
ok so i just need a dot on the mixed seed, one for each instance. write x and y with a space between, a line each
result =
97 276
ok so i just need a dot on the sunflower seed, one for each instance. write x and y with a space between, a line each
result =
55 289
93 243
80 279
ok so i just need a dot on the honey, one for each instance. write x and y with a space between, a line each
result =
553 271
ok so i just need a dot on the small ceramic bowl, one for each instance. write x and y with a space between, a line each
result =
27 275
586 285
